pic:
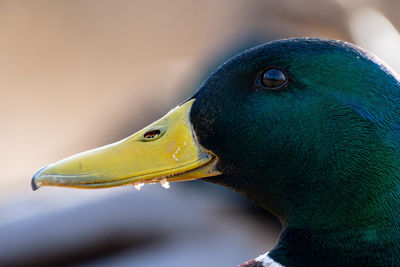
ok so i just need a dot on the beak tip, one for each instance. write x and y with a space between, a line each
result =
34 185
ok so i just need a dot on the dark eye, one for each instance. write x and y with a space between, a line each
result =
272 78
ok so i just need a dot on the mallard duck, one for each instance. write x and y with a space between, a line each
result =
308 129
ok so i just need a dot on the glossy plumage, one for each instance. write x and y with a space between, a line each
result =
322 153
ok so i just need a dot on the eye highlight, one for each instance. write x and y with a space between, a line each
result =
272 78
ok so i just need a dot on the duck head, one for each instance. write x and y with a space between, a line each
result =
306 128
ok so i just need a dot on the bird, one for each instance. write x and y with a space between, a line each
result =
307 128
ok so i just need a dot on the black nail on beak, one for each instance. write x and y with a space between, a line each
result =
33 182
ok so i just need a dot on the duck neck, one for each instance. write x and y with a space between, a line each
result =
363 230
343 217
368 246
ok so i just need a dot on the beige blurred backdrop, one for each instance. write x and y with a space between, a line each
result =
80 74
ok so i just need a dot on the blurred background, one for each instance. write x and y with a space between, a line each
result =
75 75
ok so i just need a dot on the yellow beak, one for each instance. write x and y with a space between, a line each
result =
166 150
